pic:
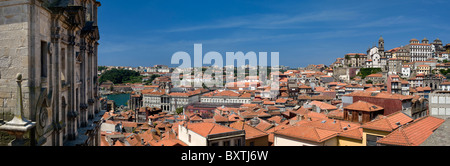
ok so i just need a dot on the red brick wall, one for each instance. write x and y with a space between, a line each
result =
390 105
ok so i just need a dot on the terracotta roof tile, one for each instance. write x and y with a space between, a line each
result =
205 128
364 106
264 125
375 75
220 118
338 114
355 133
413 134
250 132
388 123
323 105
307 133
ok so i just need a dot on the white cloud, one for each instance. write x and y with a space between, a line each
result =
272 21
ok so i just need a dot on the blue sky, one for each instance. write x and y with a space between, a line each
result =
149 32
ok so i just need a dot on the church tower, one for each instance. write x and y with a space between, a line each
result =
381 46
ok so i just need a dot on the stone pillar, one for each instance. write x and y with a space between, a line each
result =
18 126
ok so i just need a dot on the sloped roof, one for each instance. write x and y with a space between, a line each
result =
323 105
388 123
384 95
307 133
364 106
413 134
250 132
204 128
264 125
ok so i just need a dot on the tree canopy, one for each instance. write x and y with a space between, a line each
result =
118 76
364 72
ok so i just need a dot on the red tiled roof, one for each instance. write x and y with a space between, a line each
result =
204 128
264 125
307 133
234 118
250 132
375 75
219 118
338 114
333 125
355 133
323 105
388 123
364 106
168 142
268 103
380 95
304 87
413 134
281 100
153 92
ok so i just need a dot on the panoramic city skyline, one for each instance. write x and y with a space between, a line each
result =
224 73
305 32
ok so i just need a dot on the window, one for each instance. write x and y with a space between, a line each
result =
44 59
226 143
189 138
442 100
359 116
63 64
441 111
238 142
371 140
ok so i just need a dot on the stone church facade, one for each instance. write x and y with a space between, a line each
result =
53 44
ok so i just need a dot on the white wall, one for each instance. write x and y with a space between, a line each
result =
196 139
284 141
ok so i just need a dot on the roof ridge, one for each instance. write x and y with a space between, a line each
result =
405 136
389 123
317 134
214 125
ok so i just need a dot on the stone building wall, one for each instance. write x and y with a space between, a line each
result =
53 43
14 51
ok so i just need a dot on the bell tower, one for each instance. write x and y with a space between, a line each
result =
381 46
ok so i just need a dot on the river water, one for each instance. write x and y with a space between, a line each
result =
119 99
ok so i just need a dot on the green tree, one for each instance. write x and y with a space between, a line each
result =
444 71
118 76
100 68
363 72
179 110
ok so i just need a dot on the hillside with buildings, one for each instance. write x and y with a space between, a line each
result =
393 97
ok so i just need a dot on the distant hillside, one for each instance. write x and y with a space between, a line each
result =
118 76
